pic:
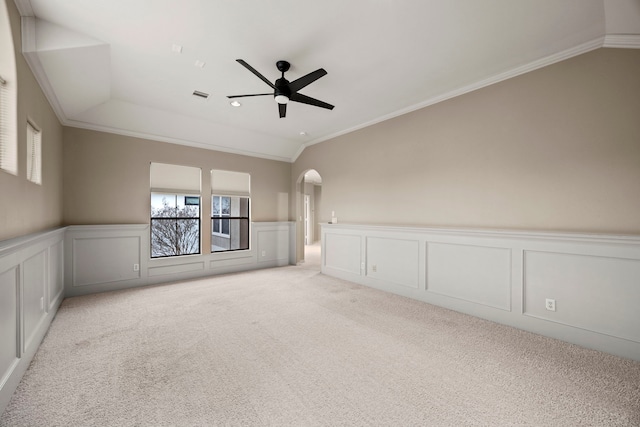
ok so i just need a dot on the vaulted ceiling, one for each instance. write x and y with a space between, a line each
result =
131 66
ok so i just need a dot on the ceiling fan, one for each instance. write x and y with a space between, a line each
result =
285 91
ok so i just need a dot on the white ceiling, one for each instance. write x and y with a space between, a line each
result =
109 64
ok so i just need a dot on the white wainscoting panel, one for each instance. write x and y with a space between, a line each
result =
98 258
30 294
273 245
34 280
175 269
56 273
596 293
503 276
101 258
394 260
473 273
342 252
9 331
39 270
105 259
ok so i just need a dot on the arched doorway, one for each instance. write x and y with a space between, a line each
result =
309 196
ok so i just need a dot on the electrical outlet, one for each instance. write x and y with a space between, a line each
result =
136 267
550 304
374 268
264 253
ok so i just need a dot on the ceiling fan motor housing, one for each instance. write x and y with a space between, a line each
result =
282 88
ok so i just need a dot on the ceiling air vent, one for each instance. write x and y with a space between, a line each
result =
201 94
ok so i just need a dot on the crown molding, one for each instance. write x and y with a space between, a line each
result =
178 141
514 72
24 7
627 41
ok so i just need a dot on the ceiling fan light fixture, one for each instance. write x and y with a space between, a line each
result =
284 90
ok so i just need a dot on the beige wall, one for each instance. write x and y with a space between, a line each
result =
106 178
554 149
27 207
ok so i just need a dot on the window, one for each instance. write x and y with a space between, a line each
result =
8 148
8 96
34 153
230 211
175 210
175 225
229 223
221 211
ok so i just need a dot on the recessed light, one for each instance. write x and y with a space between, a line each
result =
303 133
235 103
176 48
199 63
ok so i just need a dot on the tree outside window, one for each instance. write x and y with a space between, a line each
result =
175 225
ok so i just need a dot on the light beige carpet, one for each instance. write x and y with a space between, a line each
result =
291 347
312 257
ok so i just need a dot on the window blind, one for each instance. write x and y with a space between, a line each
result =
228 183
166 178
34 153
8 143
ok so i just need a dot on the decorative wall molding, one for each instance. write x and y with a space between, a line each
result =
503 276
31 284
91 267
37 271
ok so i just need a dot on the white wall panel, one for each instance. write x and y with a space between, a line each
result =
8 323
394 260
175 269
504 276
105 259
30 274
56 274
473 273
597 293
99 258
273 245
34 284
37 271
342 252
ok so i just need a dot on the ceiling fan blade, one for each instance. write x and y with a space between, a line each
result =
298 97
303 81
255 94
282 108
254 71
